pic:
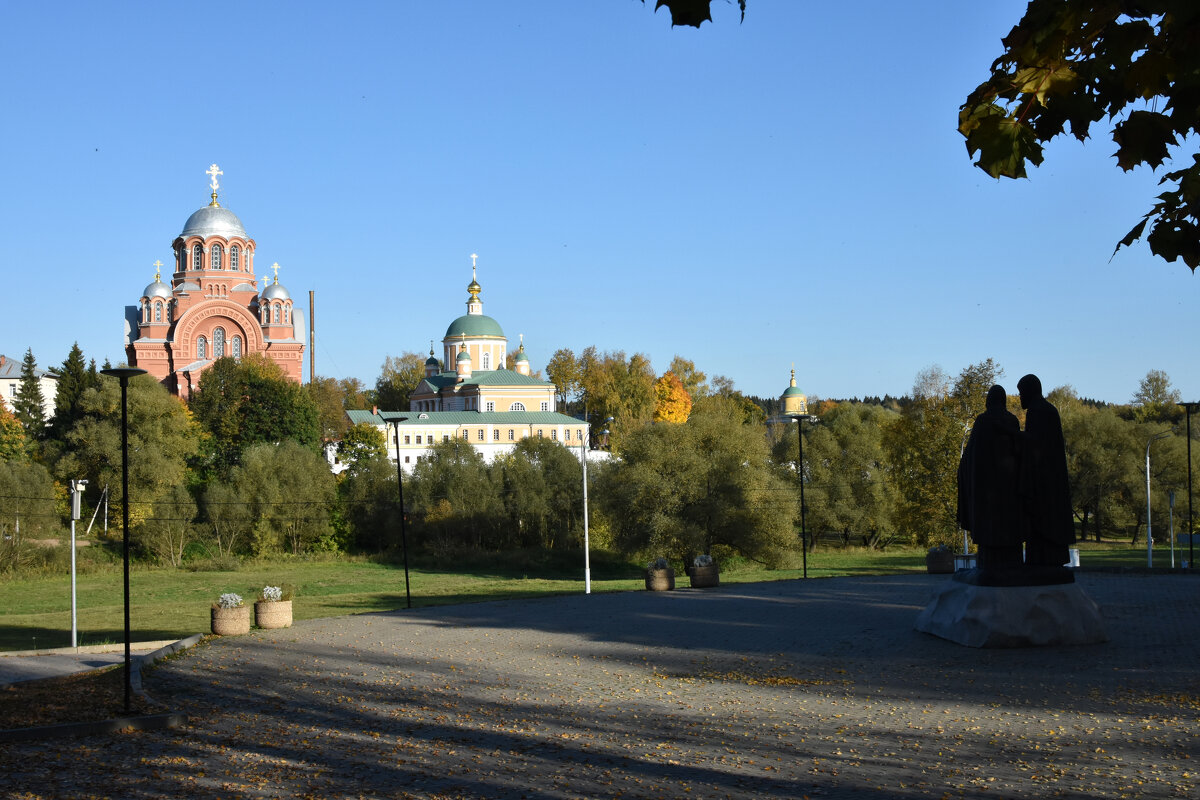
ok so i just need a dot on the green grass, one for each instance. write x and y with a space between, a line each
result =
168 604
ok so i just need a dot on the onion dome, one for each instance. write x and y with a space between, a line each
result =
432 360
792 399
276 291
158 288
463 355
471 325
520 356
214 221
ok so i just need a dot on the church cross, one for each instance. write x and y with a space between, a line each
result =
214 171
157 269
275 267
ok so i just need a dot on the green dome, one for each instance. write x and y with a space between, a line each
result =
792 391
463 356
474 325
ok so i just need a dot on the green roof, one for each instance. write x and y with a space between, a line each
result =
414 418
475 325
493 377
791 391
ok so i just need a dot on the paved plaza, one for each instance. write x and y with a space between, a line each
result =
816 688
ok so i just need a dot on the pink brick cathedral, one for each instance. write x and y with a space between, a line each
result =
212 306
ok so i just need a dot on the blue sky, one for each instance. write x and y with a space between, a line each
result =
788 190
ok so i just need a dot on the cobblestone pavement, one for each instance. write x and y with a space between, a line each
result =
815 688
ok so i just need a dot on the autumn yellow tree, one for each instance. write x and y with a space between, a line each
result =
672 403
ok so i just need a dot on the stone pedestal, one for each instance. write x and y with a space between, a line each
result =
1012 616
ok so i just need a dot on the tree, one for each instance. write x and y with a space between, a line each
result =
29 404
290 493
248 401
706 485
1155 399
12 436
398 378
170 527
1070 63
363 442
29 509
74 378
368 503
616 387
541 484
329 399
354 394
162 438
453 496
564 372
229 520
693 380
672 403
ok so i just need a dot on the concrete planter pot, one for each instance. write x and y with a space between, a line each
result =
231 621
705 577
660 580
276 614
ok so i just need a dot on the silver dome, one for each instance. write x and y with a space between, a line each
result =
157 289
214 221
275 292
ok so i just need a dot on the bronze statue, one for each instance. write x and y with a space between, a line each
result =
988 485
1045 491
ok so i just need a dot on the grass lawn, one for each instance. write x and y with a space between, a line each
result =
171 604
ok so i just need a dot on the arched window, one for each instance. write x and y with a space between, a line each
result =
234 252
201 347
286 311
197 257
487 361
169 312
158 312
219 343
145 312
517 407
276 313
236 343
217 252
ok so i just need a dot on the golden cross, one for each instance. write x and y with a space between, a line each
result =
214 171
157 269
275 267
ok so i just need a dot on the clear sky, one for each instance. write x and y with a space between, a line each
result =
788 190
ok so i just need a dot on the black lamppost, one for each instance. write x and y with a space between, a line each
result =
800 420
396 418
1189 407
123 374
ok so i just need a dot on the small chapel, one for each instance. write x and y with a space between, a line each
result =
211 305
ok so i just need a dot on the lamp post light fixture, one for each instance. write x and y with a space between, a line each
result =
1149 535
77 487
1189 407
396 418
800 420
123 374
587 563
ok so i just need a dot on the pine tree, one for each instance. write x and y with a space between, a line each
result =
73 380
29 405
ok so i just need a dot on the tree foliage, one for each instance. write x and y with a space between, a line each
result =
1156 400
74 378
398 378
672 403
249 401
170 526
28 510
12 436
28 405
289 491
692 12
1071 63
564 372
328 396
618 387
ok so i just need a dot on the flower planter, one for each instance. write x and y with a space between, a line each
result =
660 580
276 614
231 621
705 577
939 563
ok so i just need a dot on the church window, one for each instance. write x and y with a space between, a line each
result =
286 310
197 257
202 347
237 346
510 434
579 435
545 406
466 433
517 407
487 360
491 405
445 437
408 440
234 257
495 434
567 435
219 343
554 434
406 459
480 434
217 253
158 312
276 312
169 311
539 433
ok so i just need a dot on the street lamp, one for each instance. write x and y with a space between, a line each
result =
800 420
77 487
1188 407
396 418
587 565
123 374
1149 536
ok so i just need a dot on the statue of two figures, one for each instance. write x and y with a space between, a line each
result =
1013 494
